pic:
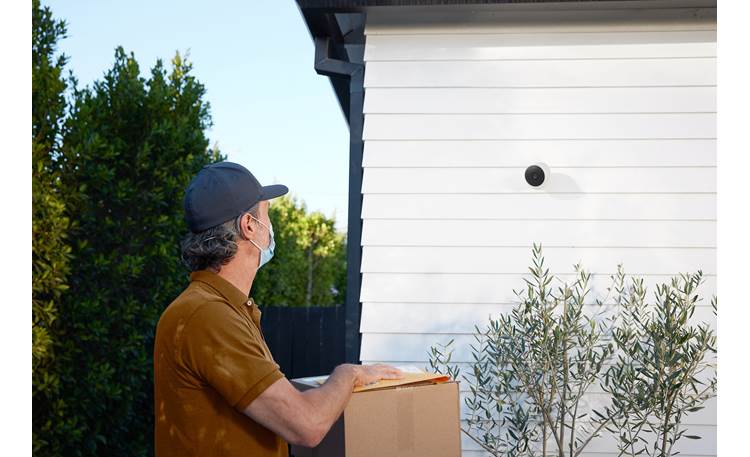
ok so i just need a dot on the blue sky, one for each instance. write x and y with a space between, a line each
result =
271 111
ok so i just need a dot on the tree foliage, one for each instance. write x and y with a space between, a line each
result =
50 225
309 266
666 368
110 166
130 147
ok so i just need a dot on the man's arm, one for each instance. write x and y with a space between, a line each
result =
304 418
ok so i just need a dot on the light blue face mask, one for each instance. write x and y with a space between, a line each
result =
265 254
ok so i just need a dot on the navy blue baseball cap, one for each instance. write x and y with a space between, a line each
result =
222 191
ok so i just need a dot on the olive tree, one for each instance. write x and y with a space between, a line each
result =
665 367
533 368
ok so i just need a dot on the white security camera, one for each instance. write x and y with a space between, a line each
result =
537 174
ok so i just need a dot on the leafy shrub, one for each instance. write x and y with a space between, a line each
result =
661 373
110 165
129 149
532 368
50 225
309 265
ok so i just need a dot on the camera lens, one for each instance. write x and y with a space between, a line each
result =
535 175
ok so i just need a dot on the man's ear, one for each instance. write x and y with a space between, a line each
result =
247 227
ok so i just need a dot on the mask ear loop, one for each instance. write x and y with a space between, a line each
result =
253 242
239 221
238 227
268 229
256 245
261 223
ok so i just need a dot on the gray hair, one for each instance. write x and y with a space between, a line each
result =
215 246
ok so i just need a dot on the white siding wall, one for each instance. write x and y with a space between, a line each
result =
620 104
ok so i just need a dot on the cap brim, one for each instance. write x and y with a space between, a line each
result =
273 191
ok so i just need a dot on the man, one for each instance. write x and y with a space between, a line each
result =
218 391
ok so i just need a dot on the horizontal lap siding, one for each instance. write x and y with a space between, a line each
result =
541 206
553 46
538 126
605 100
699 71
557 153
396 319
509 260
491 233
665 180
410 346
480 287
620 104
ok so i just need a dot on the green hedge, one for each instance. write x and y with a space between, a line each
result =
309 264
117 166
50 225
130 148
110 165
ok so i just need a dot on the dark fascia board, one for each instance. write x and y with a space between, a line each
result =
329 24
335 34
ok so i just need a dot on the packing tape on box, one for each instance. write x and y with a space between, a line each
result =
406 419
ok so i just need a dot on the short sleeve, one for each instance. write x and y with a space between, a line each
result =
219 346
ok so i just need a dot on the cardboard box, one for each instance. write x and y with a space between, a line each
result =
411 420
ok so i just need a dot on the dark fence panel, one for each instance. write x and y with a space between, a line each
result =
305 341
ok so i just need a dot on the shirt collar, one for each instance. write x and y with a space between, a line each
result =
234 296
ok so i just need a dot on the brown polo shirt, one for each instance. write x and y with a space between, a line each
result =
210 362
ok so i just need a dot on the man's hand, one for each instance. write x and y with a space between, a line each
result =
304 418
368 374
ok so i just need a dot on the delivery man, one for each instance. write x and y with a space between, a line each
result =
217 389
